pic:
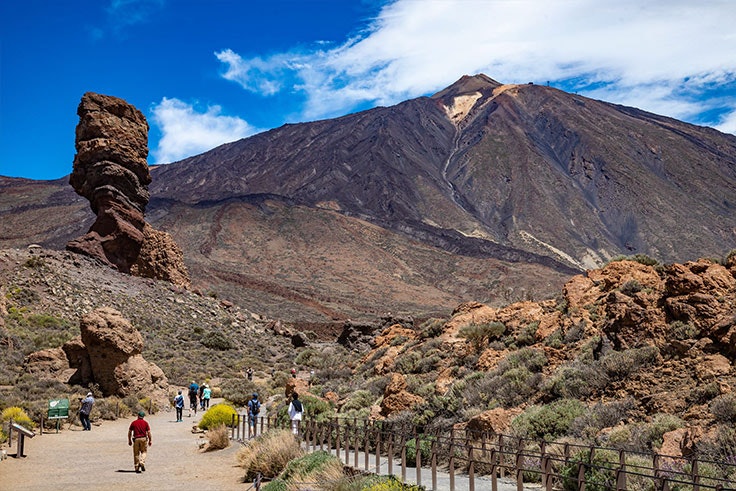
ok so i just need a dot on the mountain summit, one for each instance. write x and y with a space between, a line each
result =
483 191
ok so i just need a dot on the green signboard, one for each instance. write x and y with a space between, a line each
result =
58 408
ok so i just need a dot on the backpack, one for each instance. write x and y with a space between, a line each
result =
255 406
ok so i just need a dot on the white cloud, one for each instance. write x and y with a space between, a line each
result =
659 56
727 124
186 132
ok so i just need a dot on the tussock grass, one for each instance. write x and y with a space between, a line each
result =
269 454
217 438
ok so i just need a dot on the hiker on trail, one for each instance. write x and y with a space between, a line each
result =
85 410
193 390
295 412
179 405
206 395
293 373
254 407
201 396
139 436
249 373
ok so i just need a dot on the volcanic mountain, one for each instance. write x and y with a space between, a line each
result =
482 191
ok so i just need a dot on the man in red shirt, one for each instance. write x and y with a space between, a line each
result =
139 436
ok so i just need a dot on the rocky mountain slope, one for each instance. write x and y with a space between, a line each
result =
483 192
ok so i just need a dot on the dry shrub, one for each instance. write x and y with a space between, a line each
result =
217 438
269 453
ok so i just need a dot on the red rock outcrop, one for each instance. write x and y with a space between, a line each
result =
111 171
396 398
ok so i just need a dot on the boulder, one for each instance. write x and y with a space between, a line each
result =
49 363
396 398
494 421
114 347
298 385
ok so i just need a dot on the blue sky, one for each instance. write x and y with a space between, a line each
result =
209 72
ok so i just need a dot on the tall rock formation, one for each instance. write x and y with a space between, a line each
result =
111 171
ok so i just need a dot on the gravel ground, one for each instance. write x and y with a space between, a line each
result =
101 459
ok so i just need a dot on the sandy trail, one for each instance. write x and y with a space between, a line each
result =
102 460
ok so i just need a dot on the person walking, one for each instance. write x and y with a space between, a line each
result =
139 436
193 390
179 405
85 410
206 395
295 412
253 407
201 397
249 373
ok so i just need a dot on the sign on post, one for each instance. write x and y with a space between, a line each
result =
58 409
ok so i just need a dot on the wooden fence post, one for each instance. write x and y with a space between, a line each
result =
378 450
695 474
418 457
581 476
519 465
390 456
621 473
232 427
494 476
452 460
471 466
356 441
434 461
347 443
501 456
366 434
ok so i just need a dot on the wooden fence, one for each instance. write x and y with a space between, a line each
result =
553 465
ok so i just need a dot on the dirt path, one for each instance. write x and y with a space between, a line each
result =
102 460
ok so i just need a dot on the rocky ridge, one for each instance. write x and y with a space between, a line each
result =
661 336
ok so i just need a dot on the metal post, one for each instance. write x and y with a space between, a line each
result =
403 457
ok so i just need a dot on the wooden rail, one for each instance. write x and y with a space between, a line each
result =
554 465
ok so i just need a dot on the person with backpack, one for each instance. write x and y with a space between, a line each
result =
295 412
179 405
254 407
206 396
193 391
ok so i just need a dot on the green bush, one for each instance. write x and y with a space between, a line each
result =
219 414
425 449
239 390
479 334
599 474
548 422
723 408
314 409
359 399
631 287
684 330
431 328
217 341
